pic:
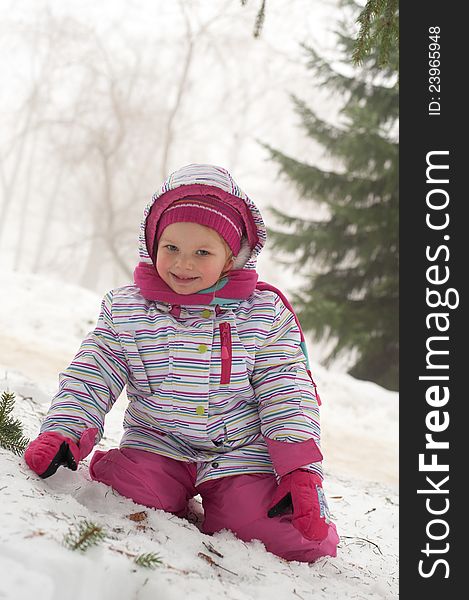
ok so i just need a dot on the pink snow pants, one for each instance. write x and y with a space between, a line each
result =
237 502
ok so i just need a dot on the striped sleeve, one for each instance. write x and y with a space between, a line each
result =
92 383
288 407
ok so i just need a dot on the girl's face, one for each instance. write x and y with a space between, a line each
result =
191 257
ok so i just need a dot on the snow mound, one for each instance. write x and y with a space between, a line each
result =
37 514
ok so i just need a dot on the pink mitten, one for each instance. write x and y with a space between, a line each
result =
48 451
302 491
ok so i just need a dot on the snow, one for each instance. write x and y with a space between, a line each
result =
42 322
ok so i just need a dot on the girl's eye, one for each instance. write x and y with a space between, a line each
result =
203 252
171 248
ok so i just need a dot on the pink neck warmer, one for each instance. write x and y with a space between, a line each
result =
238 284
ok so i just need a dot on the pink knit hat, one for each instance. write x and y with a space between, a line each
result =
208 211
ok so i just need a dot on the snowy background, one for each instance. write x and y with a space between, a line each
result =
101 99
42 322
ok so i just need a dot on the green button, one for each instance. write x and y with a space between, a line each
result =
206 313
202 348
200 410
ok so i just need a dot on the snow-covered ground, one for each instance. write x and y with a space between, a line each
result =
42 322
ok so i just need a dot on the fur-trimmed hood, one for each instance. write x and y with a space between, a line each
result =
202 179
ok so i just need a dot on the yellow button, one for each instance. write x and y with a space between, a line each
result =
206 313
202 348
200 410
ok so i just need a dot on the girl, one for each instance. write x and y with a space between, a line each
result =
221 403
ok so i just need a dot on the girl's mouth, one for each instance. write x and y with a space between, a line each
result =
183 280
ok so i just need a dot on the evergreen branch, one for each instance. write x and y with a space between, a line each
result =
357 83
7 404
312 182
259 20
81 536
378 25
260 17
149 560
15 445
11 430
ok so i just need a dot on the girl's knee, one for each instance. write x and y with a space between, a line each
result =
284 540
240 504
135 479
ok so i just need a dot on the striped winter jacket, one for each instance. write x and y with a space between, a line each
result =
218 385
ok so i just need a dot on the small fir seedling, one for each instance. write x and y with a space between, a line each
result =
83 535
150 560
11 430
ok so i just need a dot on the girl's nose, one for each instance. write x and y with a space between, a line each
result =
185 261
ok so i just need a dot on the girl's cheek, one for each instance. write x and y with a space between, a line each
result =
161 262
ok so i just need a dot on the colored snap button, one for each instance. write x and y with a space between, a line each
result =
215 465
200 410
206 313
202 348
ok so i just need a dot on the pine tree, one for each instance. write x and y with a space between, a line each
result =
11 430
350 257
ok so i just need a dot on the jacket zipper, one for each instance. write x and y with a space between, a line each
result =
226 353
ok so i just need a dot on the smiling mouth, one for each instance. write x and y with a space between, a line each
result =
183 279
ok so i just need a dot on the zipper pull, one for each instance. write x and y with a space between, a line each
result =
175 310
226 354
